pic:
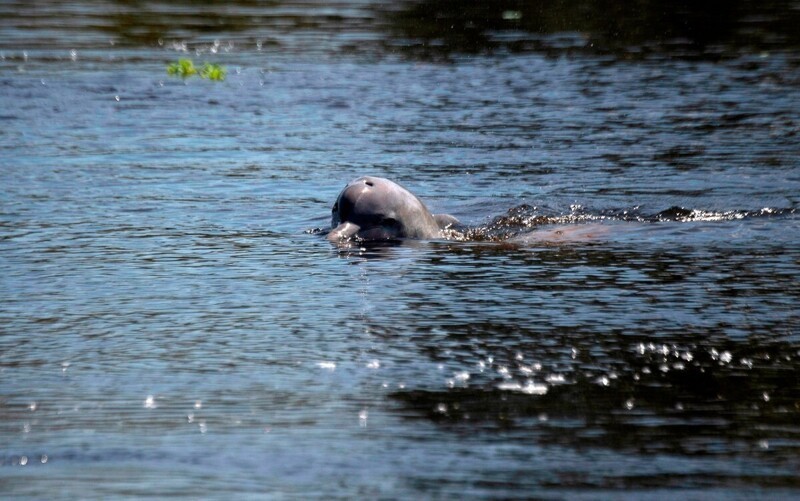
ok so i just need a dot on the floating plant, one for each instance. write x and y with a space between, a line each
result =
213 72
185 68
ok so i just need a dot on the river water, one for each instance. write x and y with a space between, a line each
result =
174 323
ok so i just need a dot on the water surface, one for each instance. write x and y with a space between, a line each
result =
173 321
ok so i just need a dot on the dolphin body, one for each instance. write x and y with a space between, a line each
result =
374 208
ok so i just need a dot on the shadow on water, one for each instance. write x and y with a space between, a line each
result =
715 397
708 29
654 367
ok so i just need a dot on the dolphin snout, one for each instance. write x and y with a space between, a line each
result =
344 231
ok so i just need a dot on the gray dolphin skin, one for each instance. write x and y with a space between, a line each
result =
374 208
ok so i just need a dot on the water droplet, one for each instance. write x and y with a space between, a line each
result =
509 386
725 357
373 364
203 428
44 458
117 98
23 460
461 376
73 54
32 406
149 402
766 396
362 418
629 404
603 381
198 404
532 388
764 444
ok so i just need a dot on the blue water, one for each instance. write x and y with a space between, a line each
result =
174 323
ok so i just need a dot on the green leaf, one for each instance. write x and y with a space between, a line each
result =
184 68
213 72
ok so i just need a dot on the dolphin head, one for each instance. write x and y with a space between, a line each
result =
374 208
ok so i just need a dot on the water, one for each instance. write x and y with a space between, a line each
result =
173 323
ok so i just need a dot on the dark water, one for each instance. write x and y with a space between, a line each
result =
171 324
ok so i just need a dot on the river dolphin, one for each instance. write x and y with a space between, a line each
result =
374 208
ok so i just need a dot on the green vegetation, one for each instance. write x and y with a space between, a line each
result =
185 68
213 72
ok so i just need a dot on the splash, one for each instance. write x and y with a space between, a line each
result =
525 218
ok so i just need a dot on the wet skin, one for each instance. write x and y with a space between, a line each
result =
374 208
